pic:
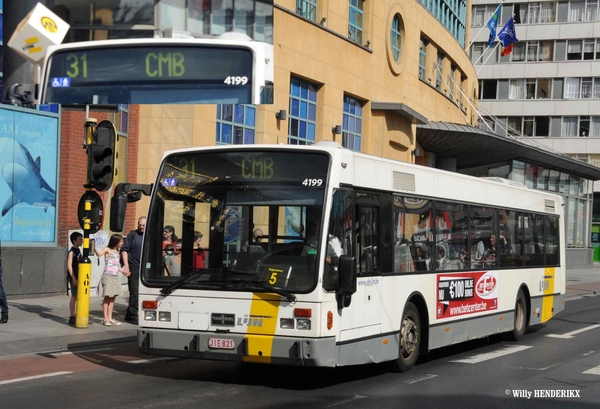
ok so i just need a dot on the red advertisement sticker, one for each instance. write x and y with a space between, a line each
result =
466 293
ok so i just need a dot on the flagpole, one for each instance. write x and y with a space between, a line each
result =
484 26
486 60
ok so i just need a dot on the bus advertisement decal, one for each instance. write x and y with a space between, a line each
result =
466 293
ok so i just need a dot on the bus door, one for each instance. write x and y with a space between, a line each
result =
361 232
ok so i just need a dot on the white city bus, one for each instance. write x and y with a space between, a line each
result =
362 259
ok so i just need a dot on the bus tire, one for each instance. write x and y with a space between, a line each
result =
520 322
410 340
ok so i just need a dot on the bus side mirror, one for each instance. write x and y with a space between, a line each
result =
347 275
347 280
118 206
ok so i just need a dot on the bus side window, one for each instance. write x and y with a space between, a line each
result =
367 238
340 236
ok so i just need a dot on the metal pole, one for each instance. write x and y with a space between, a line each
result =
84 279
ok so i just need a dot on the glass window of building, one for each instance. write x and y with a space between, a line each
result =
121 122
548 13
106 19
574 49
588 49
576 10
437 68
584 126
569 128
518 171
303 112
422 60
352 123
235 124
516 89
553 180
532 13
307 9
591 10
482 14
514 125
570 216
532 51
356 21
596 88
519 50
396 37
528 126
564 183
542 179
205 17
572 88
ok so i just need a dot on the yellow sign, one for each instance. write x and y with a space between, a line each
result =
30 45
49 24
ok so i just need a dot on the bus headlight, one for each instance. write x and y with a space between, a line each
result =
164 316
150 315
286 323
302 323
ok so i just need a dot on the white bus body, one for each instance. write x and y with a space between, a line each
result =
397 305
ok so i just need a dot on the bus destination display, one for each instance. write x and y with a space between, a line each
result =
139 71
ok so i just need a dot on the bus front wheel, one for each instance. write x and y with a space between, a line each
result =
410 339
520 322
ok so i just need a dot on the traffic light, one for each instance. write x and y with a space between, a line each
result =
101 156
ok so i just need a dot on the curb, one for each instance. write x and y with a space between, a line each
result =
580 294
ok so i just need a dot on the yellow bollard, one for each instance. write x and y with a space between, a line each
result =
82 314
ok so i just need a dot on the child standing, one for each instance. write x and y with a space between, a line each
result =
73 259
111 287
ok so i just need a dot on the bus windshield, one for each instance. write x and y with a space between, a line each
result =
236 221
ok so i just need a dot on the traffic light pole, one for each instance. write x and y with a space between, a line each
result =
84 277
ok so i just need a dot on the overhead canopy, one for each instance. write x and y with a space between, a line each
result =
401 109
473 147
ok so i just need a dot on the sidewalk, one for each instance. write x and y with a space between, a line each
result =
41 324
583 281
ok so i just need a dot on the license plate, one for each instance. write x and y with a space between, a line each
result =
221 343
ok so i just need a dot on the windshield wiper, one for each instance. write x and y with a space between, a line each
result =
277 290
172 287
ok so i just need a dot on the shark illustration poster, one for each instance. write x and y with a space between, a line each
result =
28 176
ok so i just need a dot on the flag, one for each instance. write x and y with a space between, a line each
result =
492 24
508 36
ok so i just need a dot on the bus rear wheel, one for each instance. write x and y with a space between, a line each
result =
520 322
410 339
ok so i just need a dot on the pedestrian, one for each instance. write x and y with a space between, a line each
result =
173 260
132 254
169 237
3 302
111 287
73 259
199 256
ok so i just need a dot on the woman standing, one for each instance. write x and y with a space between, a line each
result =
111 287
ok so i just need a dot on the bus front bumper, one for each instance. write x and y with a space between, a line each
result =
320 352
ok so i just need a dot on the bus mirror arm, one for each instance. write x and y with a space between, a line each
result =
347 280
125 193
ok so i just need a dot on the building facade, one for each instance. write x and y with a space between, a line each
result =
380 77
548 91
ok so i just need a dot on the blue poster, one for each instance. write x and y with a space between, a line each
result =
28 176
